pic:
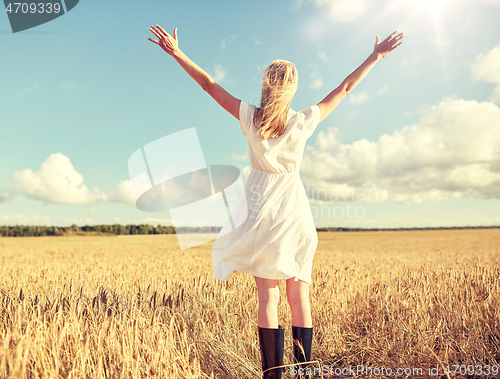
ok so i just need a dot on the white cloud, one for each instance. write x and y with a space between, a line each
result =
359 98
329 140
297 4
466 28
453 151
442 41
5 195
322 55
88 221
55 182
155 221
32 87
314 28
495 95
219 73
363 96
317 82
25 220
405 28
226 41
383 89
321 191
68 85
486 68
122 193
246 172
239 157
343 10
432 195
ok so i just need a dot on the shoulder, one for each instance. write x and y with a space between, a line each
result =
309 114
307 119
246 116
246 108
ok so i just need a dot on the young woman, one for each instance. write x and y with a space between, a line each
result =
274 243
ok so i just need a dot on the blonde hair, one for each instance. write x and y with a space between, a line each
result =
279 85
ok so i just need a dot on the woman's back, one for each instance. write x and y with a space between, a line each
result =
283 154
278 237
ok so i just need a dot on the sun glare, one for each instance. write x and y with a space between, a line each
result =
432 6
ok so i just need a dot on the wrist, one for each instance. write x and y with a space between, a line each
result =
376 56
176 53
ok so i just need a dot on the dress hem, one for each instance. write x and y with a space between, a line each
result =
296 277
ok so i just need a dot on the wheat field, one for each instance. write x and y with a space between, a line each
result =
138 307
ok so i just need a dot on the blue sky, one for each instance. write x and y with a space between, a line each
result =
422 131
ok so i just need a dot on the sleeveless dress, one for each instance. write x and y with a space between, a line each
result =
278 238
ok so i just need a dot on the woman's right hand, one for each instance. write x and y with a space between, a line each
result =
388 45
168 43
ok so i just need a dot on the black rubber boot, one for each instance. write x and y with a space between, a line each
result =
272 343
302 337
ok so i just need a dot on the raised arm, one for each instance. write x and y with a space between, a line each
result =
381 50
171 46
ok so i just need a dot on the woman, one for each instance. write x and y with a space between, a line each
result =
274 243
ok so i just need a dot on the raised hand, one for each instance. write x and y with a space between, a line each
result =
168 43
388 45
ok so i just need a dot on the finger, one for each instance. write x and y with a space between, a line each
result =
397 40
392 41
387 39
175 33
152 40
158 33
157 30
377 39
394 47
155 33
392 35
163 31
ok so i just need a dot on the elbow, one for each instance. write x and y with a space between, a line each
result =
346 88
207 85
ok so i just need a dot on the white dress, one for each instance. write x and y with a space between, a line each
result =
278 239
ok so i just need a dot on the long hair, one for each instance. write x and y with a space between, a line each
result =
279 85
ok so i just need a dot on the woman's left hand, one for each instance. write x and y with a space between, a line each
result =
388 45
168 43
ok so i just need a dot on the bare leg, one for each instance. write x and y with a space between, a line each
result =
297 293
268 291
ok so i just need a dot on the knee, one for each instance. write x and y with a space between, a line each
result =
297 299
269 299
